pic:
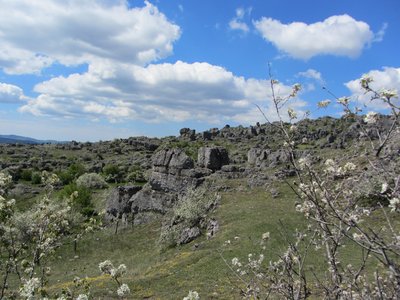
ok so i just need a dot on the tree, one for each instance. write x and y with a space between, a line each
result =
329 197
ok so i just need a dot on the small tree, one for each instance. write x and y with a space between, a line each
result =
329 197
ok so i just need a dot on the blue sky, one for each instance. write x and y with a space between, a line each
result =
102 69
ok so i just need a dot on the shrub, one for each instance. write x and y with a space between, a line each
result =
26 174
113 173
189 211
136 175
74 171
91 181
36 178
80 197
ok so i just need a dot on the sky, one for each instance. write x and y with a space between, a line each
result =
103 69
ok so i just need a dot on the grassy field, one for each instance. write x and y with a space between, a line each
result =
244 215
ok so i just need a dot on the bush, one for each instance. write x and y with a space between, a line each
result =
36 178
91 181
189 211
80 197
74 171
113 173
136 174
26 174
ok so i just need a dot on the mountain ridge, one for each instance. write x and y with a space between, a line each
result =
13 139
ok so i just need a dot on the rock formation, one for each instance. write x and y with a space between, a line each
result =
173 173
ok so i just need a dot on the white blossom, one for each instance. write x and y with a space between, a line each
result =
123 290
29 288
371 117
106 267
349 166
193 295
330 166
384 188
344 100
295 89
265 236
389 94
304 162
323 104
394 204
235 261
5 180
365 81
292 113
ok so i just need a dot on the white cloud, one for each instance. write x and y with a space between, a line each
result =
337 35
35 34
11 94
156 93
237 22
388 78
122 82
381 33
312 74
238 25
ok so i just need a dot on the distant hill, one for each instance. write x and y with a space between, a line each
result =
12 139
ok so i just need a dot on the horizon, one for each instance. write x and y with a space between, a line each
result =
150 68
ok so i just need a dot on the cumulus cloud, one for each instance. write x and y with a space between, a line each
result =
35 34
388 78
155 93
237 22
123 81
337 35
11 93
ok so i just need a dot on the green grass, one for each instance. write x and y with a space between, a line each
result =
243 216
171 274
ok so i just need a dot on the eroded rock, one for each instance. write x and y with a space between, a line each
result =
212 158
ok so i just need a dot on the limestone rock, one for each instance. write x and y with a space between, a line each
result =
151 200
118 205
212 157
188 234
188 133
257 156
173 158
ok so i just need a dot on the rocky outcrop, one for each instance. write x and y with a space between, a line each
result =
174 172
212 158
188 133
257 156
118 205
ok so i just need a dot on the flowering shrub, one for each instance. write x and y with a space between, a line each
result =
329 197
193 295
91 181
106 267
5 183
29 238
